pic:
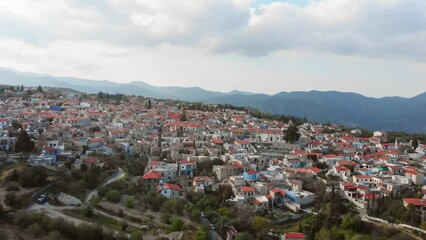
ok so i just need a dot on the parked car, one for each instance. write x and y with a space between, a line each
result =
213 227
43 199
203 215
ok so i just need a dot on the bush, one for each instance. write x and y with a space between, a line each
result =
88 211
102 191
177 225
121 236
351 221
11 200
130 203
35 230
55 235
12 186
89 232
3 235
195 214
95 200
136 235
165 218
32 177
124 225
113 196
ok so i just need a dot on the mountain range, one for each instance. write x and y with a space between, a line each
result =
349 109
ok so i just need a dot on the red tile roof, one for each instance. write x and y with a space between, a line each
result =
90 160
315 169
413 172
415 201
294 235
248 189
172 186
155 163
152 175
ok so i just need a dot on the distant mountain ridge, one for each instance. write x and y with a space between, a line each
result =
350 109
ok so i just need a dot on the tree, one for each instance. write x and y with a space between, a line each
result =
414 143
183 117
149 104
259 223
411 215
130 203
11 200
93 176
32 177
351 221
113 196
291 135
84 167
16 125
177 225
244 236
201 234
136 235
423 225
95 129
323 234
39 89
88 211
24 142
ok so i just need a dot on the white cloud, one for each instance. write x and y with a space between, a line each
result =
217 44
374 28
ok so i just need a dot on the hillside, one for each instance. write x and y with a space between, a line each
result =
350 109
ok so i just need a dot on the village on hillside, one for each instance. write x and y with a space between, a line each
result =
165 169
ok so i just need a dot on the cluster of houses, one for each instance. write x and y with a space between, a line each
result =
264 171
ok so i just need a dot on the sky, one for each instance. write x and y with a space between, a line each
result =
373 47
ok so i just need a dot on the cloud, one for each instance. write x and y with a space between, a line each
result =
372 28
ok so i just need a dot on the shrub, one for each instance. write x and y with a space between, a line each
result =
120 213
35 230
136 235
12 186
113 196
3 235
11 200
195 214
124 225
32 177
165 218
55 235
130 203
177 225
88 211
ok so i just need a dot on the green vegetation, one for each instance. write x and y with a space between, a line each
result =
130 203
80 181
100 220
3 235
40 225
24 142
177 225
113 196
32 177
291 135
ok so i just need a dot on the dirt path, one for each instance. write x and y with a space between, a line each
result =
117 176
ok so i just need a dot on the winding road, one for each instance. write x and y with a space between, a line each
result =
116 177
